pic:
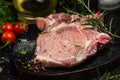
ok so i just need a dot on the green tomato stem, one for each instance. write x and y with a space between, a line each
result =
7 43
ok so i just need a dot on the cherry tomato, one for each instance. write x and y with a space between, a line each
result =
20 28
8 36
7 27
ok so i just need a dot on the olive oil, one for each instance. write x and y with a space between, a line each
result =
29 9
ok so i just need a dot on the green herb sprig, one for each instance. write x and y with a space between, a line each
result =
1 69
97 23
7 13
23 52
23 40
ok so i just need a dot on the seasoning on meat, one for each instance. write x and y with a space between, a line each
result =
67 43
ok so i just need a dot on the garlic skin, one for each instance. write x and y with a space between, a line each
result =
108 4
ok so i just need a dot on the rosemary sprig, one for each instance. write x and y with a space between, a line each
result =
86 6
78 46
97 23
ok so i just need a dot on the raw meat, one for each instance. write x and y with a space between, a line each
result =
66 43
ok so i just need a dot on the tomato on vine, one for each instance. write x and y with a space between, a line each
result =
20 28
7 27
8 37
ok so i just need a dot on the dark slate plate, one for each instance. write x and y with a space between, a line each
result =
105 60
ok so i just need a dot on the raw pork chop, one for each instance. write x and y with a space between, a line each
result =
66 43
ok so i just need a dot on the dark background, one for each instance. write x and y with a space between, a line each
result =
9 70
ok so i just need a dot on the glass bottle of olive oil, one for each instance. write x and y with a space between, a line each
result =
29 9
